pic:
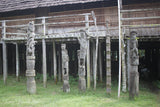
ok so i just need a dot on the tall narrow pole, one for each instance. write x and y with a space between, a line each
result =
88 54
17 62
54 62
44 56
120 36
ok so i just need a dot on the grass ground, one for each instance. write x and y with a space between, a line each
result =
15 95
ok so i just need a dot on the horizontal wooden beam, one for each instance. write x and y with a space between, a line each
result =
140 10
140 18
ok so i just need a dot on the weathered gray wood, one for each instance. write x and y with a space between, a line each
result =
140 10
94 68
59 64
44 66
100 62
108 65
30 59
134 62
128 63
17 61
55 62
65 68
124 86
5 70
4 29
140 18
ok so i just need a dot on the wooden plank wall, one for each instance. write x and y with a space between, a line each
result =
103 14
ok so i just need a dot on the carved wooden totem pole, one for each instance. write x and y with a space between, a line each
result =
81 59
65 68
30 59
134 62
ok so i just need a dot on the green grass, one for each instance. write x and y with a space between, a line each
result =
14 95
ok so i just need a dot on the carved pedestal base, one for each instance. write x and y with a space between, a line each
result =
31 85
134 81
66 86
82 84
30 73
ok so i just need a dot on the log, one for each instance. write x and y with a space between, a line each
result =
17 62
44 63
100 62
108 65
4 63
54 62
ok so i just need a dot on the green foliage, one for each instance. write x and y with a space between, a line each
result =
157 84
73 80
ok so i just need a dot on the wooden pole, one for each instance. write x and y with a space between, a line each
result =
4 63
123 67
17 62
128 62
120 37
59 64
108 65
94 61
100 62
54 62
88 54
4 53
44 64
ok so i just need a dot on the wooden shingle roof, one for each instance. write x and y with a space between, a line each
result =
11 5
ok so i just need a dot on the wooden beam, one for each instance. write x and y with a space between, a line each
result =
100 62
120 38
17 61
124 85
44 66
5 70
140 10
59 64
88 53
55 62
128 62
108 65
140 18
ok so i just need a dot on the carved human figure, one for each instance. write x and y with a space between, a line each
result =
30 59
83 39
65 68
30 39
134 62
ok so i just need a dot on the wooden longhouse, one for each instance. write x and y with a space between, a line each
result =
59 21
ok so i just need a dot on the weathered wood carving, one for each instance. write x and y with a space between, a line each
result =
134 62
81 57
65 68
30 59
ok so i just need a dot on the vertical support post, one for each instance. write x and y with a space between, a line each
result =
100 62
4 63
123 67
4 29
54 62
4 52
44 55
17 62
59 64
108 65
128 62
88 54
120 38
44 66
